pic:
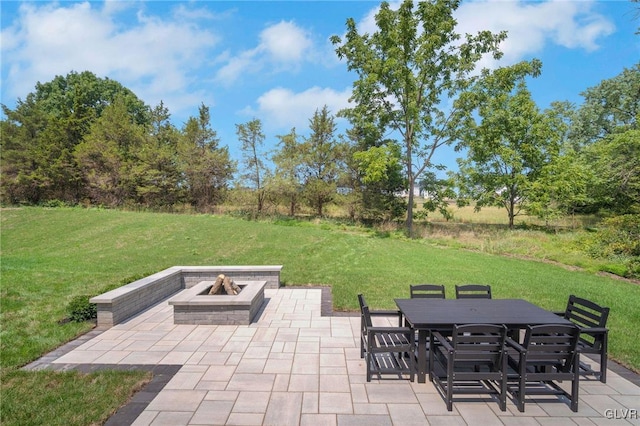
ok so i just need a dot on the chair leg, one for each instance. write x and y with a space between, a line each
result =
575 384
503 394
449 384
522 384
603 360
574 394
503 384
412 366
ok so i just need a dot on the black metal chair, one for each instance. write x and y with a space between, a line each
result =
548 355
591 319
472 361
430 291
473 291
388 350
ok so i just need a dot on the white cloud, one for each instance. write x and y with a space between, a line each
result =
152 56
533 25
285 42
111 7
283 109
283 46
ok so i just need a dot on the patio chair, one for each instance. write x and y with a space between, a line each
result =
473 291
472 361
430 291
427 291
548 355
591 319
388 350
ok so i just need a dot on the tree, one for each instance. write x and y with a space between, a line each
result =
438 193
612 106
321 157
511 144
207 168
604 134
251 136
157 173
108 155
287 180
562 186
41 135
408 70
616 166
375 174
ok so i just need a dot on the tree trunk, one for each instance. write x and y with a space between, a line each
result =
409 222
511 209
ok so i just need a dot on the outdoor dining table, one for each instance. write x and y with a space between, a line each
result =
425 315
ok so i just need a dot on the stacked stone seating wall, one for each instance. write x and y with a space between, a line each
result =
118 305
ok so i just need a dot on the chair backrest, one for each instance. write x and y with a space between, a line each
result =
587 314
553 345
473 291
361 301
365 315
431 291
479 343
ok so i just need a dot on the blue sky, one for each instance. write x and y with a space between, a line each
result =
273 60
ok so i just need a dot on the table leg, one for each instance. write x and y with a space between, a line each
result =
422 355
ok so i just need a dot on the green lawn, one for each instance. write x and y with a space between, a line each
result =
51 255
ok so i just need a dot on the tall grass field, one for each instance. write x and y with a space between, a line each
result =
49 256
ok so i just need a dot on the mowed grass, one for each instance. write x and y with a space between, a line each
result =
51 255
66 398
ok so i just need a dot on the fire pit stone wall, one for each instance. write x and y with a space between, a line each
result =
196 306
118 305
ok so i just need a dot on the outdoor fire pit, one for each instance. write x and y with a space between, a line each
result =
197 306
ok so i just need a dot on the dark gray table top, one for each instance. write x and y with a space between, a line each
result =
445 313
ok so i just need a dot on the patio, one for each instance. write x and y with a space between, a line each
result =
297 364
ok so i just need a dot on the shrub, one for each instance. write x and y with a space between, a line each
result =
80 309
55 204
620 235
619 238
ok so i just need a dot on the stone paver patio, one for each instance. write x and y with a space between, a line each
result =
295 366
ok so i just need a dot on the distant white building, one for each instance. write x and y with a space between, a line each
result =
417 192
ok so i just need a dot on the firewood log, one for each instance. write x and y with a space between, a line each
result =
230 287
215 288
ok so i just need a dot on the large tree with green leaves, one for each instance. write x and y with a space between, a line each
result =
615 162
40 135
604 132
510 144
408 72
374 175
561 187
206 167
158 178
610 107
322 157
108 155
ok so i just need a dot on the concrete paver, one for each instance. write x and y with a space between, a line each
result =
294 366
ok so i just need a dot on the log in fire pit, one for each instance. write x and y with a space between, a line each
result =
222 301
224 285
